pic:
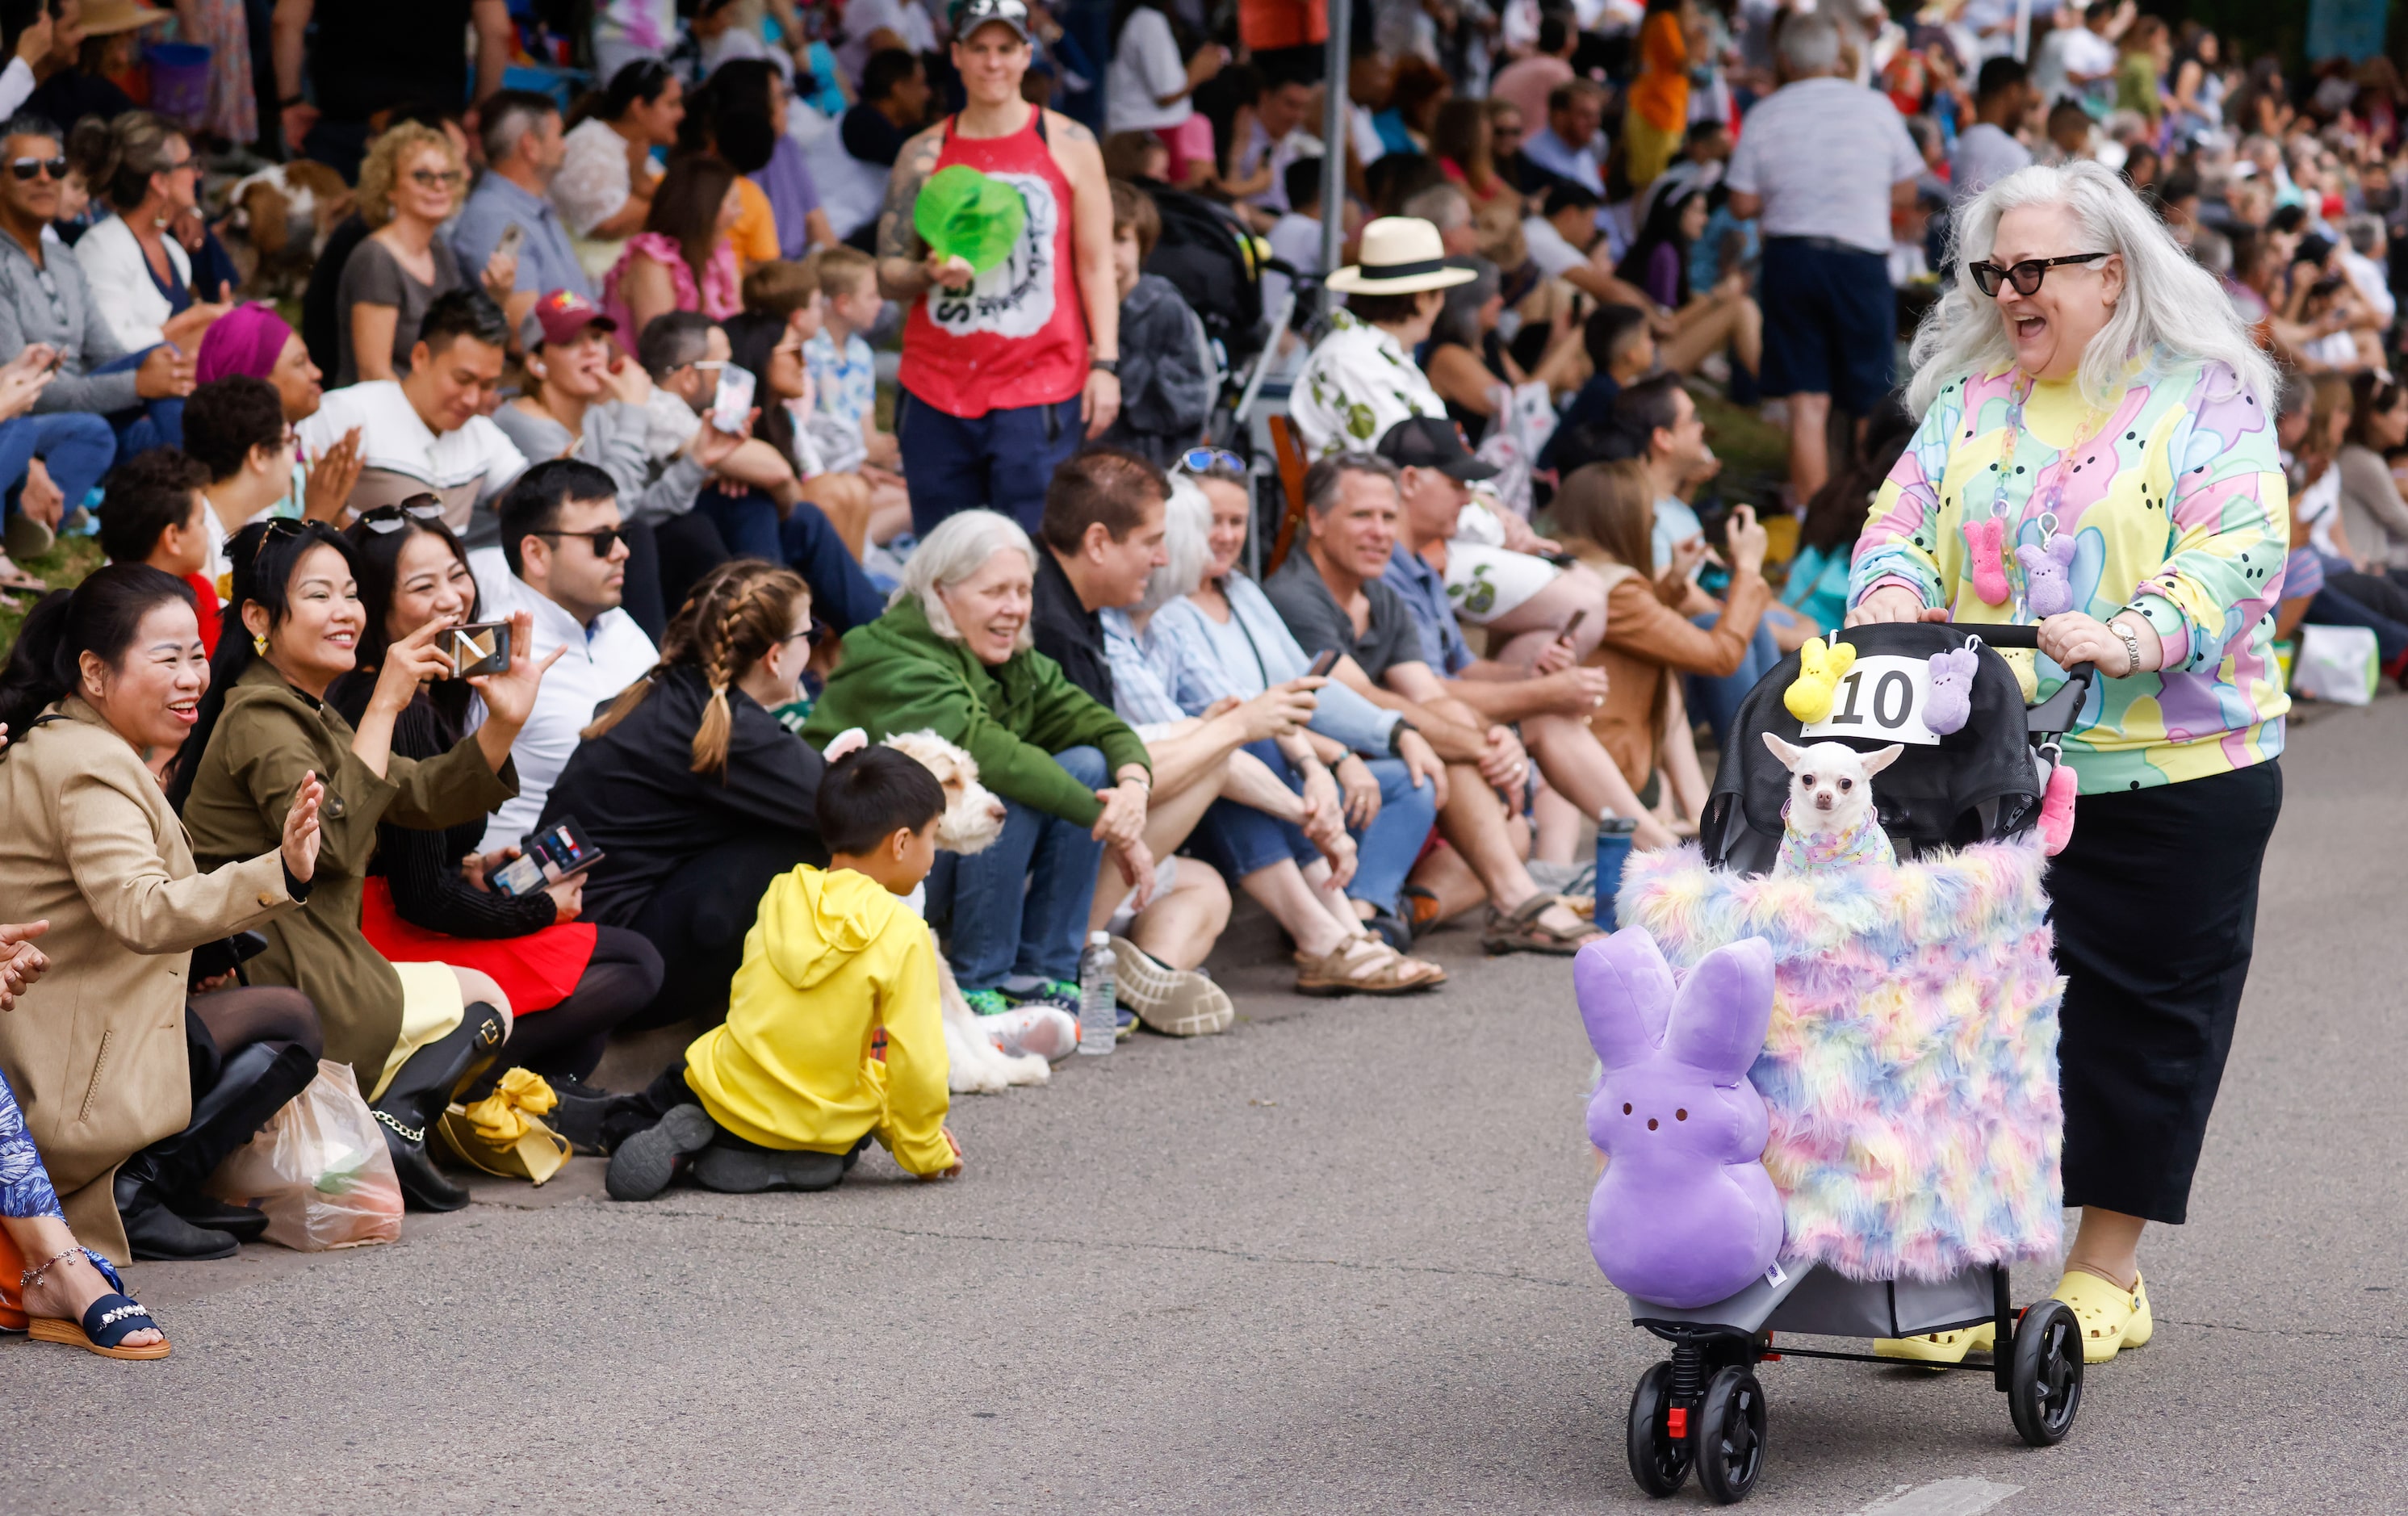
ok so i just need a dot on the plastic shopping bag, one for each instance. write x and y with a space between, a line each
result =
319 1170
2339 664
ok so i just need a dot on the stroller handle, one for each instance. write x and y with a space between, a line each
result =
2054 716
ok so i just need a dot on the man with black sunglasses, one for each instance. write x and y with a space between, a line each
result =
562 560
45 299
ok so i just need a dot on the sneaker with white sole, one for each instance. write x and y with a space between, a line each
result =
1047 1031
1174 1002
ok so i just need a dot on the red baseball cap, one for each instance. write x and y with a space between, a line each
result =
563 315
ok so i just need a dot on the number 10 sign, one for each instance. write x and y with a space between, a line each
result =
1881 697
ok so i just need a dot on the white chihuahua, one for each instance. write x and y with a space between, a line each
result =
1829 820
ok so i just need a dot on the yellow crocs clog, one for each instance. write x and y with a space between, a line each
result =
2111 1318
1939 1347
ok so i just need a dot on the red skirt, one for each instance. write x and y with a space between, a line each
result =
536 971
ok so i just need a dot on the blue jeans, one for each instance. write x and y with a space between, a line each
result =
2333 607
1717 699
1238 841
1019 909
1386 850
806 542
1002 460
146 423
75 446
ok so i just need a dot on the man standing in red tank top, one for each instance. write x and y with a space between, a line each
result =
1003 372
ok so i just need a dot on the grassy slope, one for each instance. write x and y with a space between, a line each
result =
63 566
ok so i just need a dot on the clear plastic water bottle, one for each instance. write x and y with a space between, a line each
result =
1098 1012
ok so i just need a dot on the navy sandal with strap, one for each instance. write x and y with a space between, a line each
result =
106 1323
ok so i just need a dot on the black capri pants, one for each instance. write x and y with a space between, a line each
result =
2154 902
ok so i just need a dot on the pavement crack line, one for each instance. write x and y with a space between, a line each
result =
2290 1331
1239 1254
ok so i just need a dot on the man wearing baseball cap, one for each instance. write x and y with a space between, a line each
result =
1007 370
1535 681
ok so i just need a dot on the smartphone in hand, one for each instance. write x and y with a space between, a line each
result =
479 648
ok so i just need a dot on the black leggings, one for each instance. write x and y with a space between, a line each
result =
699 917
238 1019
621 978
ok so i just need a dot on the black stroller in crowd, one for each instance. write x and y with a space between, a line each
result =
1703 1408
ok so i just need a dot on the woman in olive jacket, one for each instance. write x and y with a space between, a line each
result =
292 622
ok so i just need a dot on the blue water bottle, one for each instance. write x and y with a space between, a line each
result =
1613 834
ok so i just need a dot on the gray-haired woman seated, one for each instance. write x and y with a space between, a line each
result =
953 656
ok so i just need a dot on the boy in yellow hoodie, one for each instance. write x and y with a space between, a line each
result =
787 1092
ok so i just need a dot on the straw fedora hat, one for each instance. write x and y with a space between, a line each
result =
101 17
1401 255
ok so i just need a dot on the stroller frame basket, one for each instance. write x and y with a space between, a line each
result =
1703 1408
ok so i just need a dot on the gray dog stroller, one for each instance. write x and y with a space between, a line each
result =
1902 1210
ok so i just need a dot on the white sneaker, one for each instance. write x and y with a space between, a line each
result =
1046 1031
1174 1002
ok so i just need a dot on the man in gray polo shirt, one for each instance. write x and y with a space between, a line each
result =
524 151
1821 160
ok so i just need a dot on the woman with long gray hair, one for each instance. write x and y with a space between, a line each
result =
2085 385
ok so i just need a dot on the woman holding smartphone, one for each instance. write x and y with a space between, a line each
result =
426 897
411 1031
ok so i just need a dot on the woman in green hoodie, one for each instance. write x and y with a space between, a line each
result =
953 656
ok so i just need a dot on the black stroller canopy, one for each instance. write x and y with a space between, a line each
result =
1978 784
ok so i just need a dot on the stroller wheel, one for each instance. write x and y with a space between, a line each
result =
1658 1460
1727 1436
2044 1389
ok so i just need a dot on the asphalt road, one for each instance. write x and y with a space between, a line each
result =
1333 1260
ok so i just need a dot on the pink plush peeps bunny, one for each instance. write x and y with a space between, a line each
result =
2048 577
1686 1214
1985 548
1951 704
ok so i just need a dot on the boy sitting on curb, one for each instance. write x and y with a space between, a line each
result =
786 1093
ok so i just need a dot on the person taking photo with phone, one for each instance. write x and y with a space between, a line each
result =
426 897
294 622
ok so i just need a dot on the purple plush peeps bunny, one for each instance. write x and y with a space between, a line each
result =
2048 581
1686 1214
1951 704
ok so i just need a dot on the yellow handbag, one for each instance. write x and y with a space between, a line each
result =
504 1134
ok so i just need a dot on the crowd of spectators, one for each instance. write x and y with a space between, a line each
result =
630 341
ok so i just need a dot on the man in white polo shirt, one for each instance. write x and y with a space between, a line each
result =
1821 160
562 560
428 432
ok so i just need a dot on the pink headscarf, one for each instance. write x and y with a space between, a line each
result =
245 340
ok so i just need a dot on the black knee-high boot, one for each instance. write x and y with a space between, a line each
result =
414 1101
157 1190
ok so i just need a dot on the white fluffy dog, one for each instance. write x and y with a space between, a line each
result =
973 819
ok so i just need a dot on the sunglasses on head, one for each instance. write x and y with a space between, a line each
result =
601 540
1198 460
2025 276
989 10
27 168
393 518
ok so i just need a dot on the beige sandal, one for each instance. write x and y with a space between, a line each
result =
1365 966
1521 931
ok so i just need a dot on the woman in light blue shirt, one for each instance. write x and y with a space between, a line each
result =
1389 808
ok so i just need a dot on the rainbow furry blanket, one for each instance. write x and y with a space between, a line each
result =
1910 1066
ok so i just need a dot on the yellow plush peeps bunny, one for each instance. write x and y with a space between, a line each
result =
1819 672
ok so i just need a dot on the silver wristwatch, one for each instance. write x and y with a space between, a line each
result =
2131 646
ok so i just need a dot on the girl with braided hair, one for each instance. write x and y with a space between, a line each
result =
695 794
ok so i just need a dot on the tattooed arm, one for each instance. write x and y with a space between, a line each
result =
1091 241
906 267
